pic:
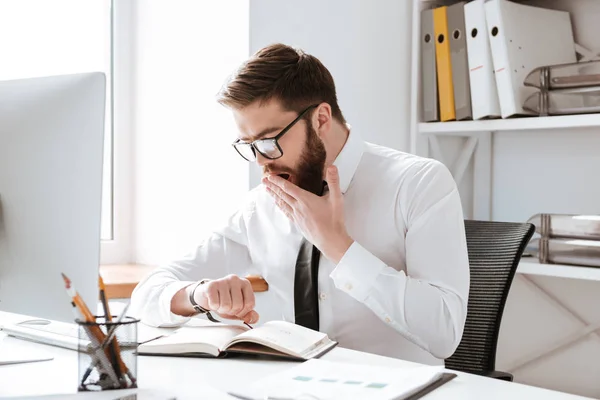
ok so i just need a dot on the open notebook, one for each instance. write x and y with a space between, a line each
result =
274 338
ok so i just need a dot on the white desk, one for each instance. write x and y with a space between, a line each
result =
193 378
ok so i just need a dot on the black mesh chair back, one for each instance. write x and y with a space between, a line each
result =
495 249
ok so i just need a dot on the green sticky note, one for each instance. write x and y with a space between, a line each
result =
329 380
353 382
303 378
376 385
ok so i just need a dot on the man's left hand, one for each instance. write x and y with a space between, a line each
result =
321 219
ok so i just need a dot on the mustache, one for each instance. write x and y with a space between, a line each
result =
277 171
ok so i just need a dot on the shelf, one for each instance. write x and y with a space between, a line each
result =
511 124
530 266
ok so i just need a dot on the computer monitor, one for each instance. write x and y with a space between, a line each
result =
51 164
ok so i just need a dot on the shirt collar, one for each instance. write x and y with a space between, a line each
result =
349 158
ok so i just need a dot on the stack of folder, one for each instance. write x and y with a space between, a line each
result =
566 239
475 57
564 89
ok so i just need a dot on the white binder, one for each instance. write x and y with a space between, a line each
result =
523 38
484 95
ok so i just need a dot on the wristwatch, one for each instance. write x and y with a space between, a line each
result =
203 310
197 306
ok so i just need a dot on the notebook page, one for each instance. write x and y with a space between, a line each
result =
291 337
216 335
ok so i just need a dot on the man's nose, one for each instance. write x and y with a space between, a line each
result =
261 160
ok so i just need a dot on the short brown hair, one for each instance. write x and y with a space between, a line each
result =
284 73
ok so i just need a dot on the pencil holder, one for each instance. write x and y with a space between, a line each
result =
107 354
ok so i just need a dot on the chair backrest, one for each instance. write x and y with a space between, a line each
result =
495 249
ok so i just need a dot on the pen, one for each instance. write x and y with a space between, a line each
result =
213 319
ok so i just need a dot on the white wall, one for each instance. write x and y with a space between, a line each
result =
366 47
552 172
187 176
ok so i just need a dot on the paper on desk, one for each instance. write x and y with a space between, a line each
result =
327 380
12 353
145 333
202 392
119 394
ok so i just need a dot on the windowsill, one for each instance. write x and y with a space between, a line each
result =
120 280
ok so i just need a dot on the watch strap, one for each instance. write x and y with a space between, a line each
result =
196 306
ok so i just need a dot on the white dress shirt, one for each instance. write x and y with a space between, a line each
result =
400 290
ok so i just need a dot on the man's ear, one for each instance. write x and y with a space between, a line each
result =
322 119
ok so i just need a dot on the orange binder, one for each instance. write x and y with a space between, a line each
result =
444 65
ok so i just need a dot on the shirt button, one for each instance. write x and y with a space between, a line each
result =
323 296
348 286
388 320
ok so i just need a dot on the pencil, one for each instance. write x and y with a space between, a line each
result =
78 302
95 334
114 348
122 367
80 305
110 336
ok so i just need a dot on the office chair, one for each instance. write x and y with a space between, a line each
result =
495 249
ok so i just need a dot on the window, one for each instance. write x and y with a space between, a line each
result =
42 38
166 137
187 176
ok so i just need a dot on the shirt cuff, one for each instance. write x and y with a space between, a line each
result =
357 271
166 316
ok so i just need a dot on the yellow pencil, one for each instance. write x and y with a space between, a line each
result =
122 367
87 315
94 332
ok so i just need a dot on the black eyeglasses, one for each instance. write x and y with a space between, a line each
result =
268 148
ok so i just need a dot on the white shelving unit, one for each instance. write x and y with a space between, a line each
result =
516 124
477 136
530 266
477 153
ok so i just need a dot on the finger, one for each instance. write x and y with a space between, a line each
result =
290 216
237 298
278 193
251 318
225 300
249 300
284 206
286 186
333 182
229 316
211 292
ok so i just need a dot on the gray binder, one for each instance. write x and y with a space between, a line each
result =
459 60
429 93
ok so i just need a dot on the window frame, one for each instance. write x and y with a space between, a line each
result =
118 250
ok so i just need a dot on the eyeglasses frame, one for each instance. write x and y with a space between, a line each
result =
275 138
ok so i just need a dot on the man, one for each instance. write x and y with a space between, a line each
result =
387 228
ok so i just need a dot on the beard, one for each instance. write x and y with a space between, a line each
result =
308 173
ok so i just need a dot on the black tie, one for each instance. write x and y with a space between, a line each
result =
306 297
